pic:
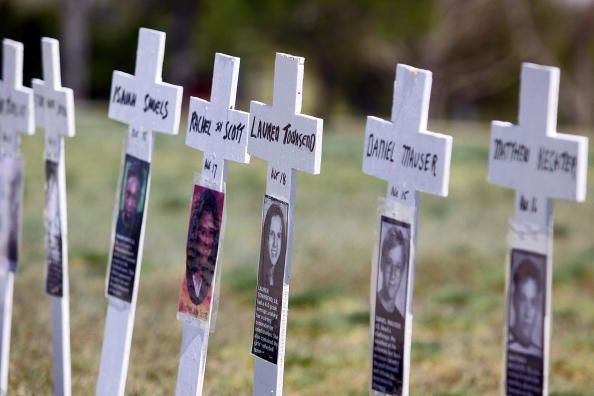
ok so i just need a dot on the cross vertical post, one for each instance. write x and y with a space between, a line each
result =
541 165
54 111
220 131
412 159
16 117
289 141
147 105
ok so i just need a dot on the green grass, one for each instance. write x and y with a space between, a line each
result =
457 332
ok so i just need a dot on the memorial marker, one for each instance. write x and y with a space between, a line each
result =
289 141
147 105
16 117
54 111
411 159
541 165
221 133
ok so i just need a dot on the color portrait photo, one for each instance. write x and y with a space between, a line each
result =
129 220
202 247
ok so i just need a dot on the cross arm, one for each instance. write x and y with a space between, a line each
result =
222 132
294 141
418 161
152 106
550 166
54 109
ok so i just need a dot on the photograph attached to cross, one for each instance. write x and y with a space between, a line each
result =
412 159
16 118
220 131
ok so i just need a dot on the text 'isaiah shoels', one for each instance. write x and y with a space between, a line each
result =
128 98
286 135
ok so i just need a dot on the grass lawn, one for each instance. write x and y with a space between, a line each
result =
458 324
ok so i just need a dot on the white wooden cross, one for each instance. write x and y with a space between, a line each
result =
221 133
54 111
16 117
411 159
147 105
541 165
289 141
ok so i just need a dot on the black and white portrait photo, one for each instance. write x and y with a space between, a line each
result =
273 245
527 290
390 306
53 230
526 303
271 270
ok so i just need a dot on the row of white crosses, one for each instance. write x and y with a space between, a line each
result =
540 163
51 107
284 158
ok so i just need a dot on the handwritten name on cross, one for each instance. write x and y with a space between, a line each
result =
16 101
216 128
531 157
402 151
221 133
143 100
54 104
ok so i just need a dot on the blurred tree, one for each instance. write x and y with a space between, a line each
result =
75 44
474 47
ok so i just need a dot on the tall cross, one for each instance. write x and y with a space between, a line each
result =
289 141
541 165
54 111
411 159
147 105
220 131
16 117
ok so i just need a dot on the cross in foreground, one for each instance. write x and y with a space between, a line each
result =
410 159
289 141
541 165
147 105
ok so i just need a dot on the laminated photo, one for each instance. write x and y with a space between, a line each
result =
202 248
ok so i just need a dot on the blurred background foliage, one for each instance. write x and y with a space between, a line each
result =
473 47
